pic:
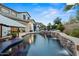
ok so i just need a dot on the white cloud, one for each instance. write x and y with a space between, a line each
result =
50 13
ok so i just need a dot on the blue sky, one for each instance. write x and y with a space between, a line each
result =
43 12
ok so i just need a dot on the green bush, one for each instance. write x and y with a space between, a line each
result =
60 27
68 32
14 34
75 32
54 26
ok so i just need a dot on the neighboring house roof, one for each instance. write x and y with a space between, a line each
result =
9 22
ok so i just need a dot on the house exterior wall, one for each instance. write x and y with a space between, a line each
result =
19 15
31 26
26 24
7 11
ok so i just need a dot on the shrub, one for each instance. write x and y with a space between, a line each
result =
54 26
14 34
60 27
75 32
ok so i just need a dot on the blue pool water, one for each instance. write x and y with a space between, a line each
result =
44 46
39 45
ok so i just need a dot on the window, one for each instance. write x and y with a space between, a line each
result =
28 18
24 17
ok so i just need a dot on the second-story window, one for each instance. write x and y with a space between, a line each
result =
28 18
24 17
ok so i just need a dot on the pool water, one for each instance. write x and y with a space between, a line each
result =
39 45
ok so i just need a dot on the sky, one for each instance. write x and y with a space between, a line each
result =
43 12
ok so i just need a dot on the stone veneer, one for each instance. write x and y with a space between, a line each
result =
68 42
71 44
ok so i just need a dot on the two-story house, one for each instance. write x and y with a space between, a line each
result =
13 21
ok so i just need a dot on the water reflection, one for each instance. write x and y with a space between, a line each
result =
46 46
38 45
22 48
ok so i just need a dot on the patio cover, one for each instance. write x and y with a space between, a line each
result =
9 22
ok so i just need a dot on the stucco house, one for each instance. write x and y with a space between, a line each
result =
13 21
